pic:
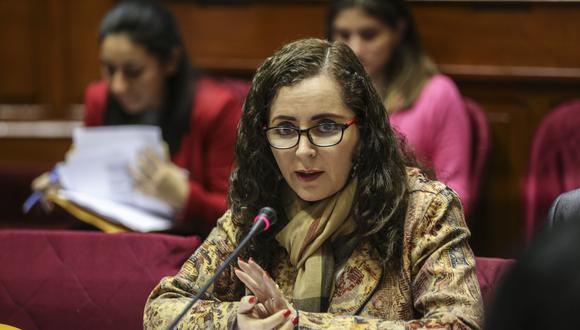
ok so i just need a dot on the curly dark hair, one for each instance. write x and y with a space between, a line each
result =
380 167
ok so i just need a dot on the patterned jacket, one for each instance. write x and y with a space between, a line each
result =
436 288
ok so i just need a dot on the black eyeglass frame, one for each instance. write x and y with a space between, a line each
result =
343 127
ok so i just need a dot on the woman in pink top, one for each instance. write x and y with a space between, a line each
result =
423 105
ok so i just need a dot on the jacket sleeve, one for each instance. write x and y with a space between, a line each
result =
172 294
207 200
95 104
444 285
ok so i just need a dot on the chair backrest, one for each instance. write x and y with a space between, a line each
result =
480 146
489 273
83 280
554 164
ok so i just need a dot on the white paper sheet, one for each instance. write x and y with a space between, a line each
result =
96 174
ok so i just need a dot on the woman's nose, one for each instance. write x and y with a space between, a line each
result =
356 44
119 84
305 148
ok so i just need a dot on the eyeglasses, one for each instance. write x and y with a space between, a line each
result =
321 135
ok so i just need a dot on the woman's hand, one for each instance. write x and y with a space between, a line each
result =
266 291
46 184
158 177
250 317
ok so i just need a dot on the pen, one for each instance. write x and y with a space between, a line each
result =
36 196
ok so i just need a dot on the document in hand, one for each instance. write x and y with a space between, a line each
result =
95 176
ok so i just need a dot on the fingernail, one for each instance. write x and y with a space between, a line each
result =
240 259
252 259
287 313
295 320
252 299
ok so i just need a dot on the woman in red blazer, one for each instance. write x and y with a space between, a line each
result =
147 79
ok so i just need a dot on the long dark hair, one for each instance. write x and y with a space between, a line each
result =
409 67
152 26
380 168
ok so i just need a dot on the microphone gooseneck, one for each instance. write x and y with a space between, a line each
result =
262 222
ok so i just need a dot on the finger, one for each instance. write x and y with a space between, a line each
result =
288 325
165 150
262 311
275 320
251 285
153 156
41 183
252 269
140 181
246 305
145 165
273 290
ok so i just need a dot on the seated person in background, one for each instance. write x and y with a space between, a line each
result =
148 79
363 239
565 208
542 290
423 105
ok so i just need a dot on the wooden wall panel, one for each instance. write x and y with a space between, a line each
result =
81 49
238 38
20 29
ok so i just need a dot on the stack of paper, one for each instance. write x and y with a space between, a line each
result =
95 175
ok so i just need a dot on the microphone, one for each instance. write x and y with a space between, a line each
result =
262 222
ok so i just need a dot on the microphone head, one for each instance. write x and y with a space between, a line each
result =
269 213
268 216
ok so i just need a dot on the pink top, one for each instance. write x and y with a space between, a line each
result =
437 129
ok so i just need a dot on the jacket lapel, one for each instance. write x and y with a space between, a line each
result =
361 276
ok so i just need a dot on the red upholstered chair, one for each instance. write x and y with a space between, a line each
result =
83 280
489 272
480 145
554 165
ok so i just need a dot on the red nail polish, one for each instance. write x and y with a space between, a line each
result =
240 259
295 320
252 299
287 313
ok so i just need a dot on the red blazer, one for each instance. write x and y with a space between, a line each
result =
207 150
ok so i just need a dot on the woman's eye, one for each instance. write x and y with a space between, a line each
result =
341 35
327 128
285 131
108 70
132 73
368 35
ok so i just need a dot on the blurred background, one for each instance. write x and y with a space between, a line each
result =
517 59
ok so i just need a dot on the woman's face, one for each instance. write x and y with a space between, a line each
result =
135 77
371 40
314 173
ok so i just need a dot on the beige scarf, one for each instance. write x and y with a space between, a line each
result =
312 237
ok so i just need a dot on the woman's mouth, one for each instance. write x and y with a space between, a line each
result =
308 176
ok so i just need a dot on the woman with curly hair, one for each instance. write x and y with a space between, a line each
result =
363 238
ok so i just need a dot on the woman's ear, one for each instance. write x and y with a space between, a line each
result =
173 61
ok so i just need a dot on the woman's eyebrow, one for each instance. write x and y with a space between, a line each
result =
284 117
326 115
